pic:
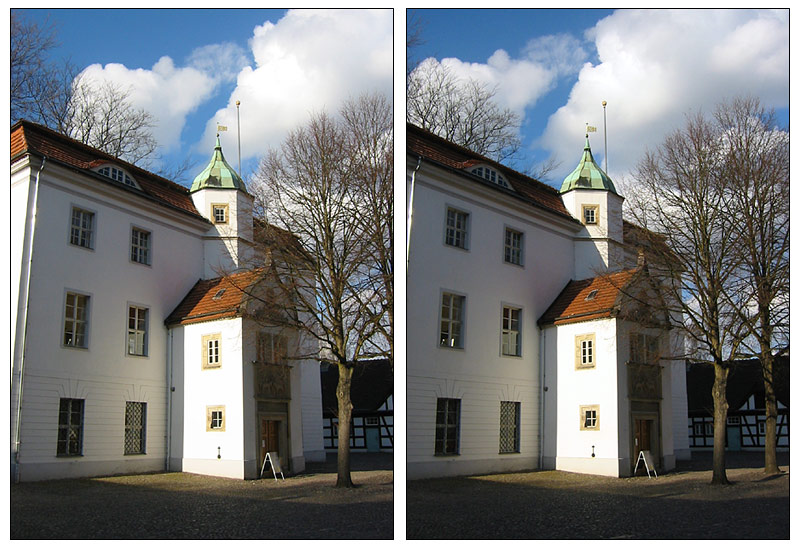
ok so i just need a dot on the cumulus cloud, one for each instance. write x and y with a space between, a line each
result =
168 92
308 61
654 67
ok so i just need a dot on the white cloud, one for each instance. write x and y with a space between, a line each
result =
308 61
657 66
168 92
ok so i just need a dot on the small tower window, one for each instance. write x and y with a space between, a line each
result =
219 213
590 214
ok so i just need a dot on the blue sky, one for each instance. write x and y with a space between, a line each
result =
188 67
556 66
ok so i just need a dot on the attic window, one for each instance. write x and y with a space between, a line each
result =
218 295
592 294
490 175
118 175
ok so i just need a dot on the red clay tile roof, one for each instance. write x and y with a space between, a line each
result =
199 305
571 305
432 147
30 138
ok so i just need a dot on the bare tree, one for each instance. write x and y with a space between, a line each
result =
58 96
368 125
682 205
332 286
756 168
29 46
463 112
414 28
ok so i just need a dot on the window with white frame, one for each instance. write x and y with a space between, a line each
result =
215 418
513 247
70 427
456 228
219 213
137 331
509 426
511 335
76 320
135 420
117 174
590 214
212 351
585 351
590 417
452 321
448 420
82 228
140 246
491 175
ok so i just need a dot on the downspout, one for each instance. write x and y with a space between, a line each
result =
169 397
543 389
410 210
20 358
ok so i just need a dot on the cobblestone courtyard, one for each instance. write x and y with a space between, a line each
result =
188 506
559 505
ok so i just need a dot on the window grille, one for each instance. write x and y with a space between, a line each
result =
509 427
135 413
70 427
448 418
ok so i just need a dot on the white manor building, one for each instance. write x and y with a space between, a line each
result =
131 352
530 342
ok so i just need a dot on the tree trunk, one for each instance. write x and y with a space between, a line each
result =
719 477
771 438
345 422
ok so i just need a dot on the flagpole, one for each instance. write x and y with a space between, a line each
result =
605 138
239 138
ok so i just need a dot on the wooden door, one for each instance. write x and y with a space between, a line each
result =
270 431
641 439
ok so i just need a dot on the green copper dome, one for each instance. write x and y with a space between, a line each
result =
218 174
588 174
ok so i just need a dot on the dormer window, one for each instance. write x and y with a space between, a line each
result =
592 294
490 175
118 175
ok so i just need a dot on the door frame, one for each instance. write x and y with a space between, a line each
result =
283 438
655 434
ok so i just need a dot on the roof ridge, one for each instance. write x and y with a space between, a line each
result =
71 141
495 163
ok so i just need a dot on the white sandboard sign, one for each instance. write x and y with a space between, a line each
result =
647 459
274 463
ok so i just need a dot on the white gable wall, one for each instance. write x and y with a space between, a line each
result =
215 453
570 388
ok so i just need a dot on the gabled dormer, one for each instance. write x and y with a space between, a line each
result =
117 174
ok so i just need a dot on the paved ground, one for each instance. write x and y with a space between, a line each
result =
189 506
558 505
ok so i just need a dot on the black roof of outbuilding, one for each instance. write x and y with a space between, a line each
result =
744 380
373 383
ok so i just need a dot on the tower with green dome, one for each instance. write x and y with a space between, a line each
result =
219 193
590 196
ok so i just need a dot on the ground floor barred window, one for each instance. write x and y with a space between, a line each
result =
448 420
